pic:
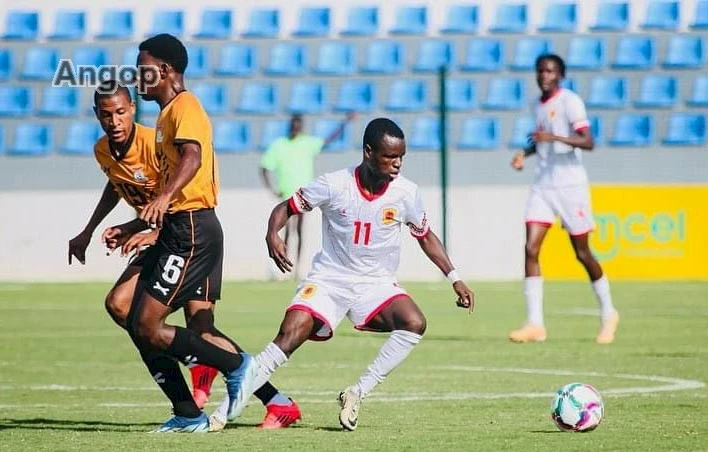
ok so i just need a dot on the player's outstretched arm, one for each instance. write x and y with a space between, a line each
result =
189 164
77 245
276 246
434 249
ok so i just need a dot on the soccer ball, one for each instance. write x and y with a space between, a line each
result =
577 407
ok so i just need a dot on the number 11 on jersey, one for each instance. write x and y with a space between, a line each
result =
357 232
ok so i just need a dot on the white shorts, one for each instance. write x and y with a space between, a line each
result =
571 204
330 300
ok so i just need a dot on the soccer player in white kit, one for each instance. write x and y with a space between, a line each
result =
364 211
560 189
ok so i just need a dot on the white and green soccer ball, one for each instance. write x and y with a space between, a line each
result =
577 407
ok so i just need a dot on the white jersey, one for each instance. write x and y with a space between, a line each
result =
560 165
361 233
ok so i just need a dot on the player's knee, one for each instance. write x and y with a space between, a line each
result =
532 251
414 323
117 308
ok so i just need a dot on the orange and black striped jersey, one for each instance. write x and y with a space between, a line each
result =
184 120
136 174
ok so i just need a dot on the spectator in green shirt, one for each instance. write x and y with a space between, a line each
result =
291 160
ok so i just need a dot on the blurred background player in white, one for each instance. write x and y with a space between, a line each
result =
292 160
561 189
364 209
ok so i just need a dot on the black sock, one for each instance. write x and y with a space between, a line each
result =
188 347
266 393
165 371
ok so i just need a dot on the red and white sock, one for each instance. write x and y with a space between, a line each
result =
202 378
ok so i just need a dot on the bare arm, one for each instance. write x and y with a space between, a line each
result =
77 245
339 130
276 246
265 176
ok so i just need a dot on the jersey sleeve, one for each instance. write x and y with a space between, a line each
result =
415 216
577 116
270 158
191 124
315 194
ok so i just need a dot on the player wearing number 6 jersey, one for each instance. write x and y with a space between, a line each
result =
364 212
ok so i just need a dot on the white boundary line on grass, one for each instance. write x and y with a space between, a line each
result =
670 384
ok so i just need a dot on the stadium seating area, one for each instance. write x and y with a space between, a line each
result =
645 88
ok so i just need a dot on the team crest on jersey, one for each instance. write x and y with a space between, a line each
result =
388 215
308 291
552 114
139 176
158 134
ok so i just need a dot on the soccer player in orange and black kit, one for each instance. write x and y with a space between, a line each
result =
185 265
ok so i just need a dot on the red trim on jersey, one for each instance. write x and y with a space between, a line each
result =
582 128
422 236
318 316
552 96
578 234
368 196
378 309
293 205
542 223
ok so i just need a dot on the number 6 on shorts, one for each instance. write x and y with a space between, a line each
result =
173 269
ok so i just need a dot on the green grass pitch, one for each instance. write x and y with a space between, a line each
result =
70 379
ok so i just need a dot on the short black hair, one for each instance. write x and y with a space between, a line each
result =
377 129
553 57
110 88
296 117
168 49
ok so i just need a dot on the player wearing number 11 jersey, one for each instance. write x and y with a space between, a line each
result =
364 212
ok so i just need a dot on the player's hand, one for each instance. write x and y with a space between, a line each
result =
465 296
279 253
154 212
517 162
540 136
138 241
113 237
78 245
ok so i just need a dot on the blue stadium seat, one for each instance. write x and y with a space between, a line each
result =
699 92
40 63
167 21
560 17
15 101
597 128
657 91
410 20
700 17
461 94
215 24
325 127
634 52
569 84
263 23
607 91
236 60
361 21
272 130
383 57
685 52
59 101
586 53
90 56
425 134
479 133
130 55
258 98
356 95
483 55
407 95
6 64
147 108
633 129
313 22
69 25
213 96
232 136
21 25
461 19
510 18
686 129
611 16
526 51
335 58
32 139
286 59
198 61
81 137
116 24
307 97
505 94
433 54
661 15
522 128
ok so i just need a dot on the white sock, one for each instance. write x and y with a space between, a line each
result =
533 289
602 292
391 355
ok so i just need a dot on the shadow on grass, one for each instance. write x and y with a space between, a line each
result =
72 425
549 431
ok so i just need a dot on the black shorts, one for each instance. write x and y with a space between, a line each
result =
186 262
